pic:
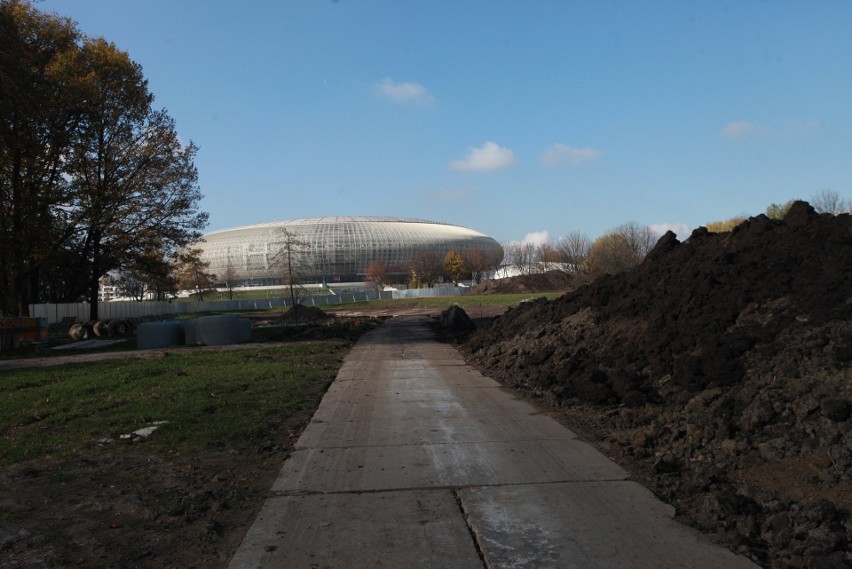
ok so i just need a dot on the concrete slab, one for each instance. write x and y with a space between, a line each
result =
426 428
347 404
392 389
408 436
443 465
585 525
348 411
427 377
422 529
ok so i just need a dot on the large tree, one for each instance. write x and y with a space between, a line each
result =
41 97
134 183
90 175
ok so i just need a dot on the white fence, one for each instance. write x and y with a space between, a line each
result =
146 309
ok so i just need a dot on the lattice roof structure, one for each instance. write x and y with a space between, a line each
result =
336 249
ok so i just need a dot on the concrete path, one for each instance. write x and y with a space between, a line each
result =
416 460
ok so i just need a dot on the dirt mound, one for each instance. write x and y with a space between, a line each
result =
456 318
551 281
304 315
723 365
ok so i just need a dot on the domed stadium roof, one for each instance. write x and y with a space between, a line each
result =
336 248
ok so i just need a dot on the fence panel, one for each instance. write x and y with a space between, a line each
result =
135 310
429 292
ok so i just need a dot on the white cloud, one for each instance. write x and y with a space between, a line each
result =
682 230
485 159
561 152
738 129
536 238
404 93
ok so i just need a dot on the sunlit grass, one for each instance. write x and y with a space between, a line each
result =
229 399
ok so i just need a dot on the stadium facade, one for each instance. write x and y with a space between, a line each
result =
335 249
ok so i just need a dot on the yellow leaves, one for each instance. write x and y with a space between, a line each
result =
454 266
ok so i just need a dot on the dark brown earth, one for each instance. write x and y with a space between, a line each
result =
130 508
718 372
304 314
550 281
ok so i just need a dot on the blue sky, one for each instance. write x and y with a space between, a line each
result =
512 118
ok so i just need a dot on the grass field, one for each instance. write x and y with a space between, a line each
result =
227 399
207 399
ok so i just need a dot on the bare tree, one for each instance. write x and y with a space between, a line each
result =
520 256
546 254
229 278
640 237
829 201
292 258
574 248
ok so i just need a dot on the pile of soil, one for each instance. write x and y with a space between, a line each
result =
304 315
550 281
719 368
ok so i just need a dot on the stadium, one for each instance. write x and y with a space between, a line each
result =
335 249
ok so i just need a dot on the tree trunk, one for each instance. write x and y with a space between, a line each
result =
94 278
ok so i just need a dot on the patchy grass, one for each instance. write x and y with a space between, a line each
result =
210 400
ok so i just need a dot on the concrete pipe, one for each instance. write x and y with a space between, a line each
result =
101 328
120 328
